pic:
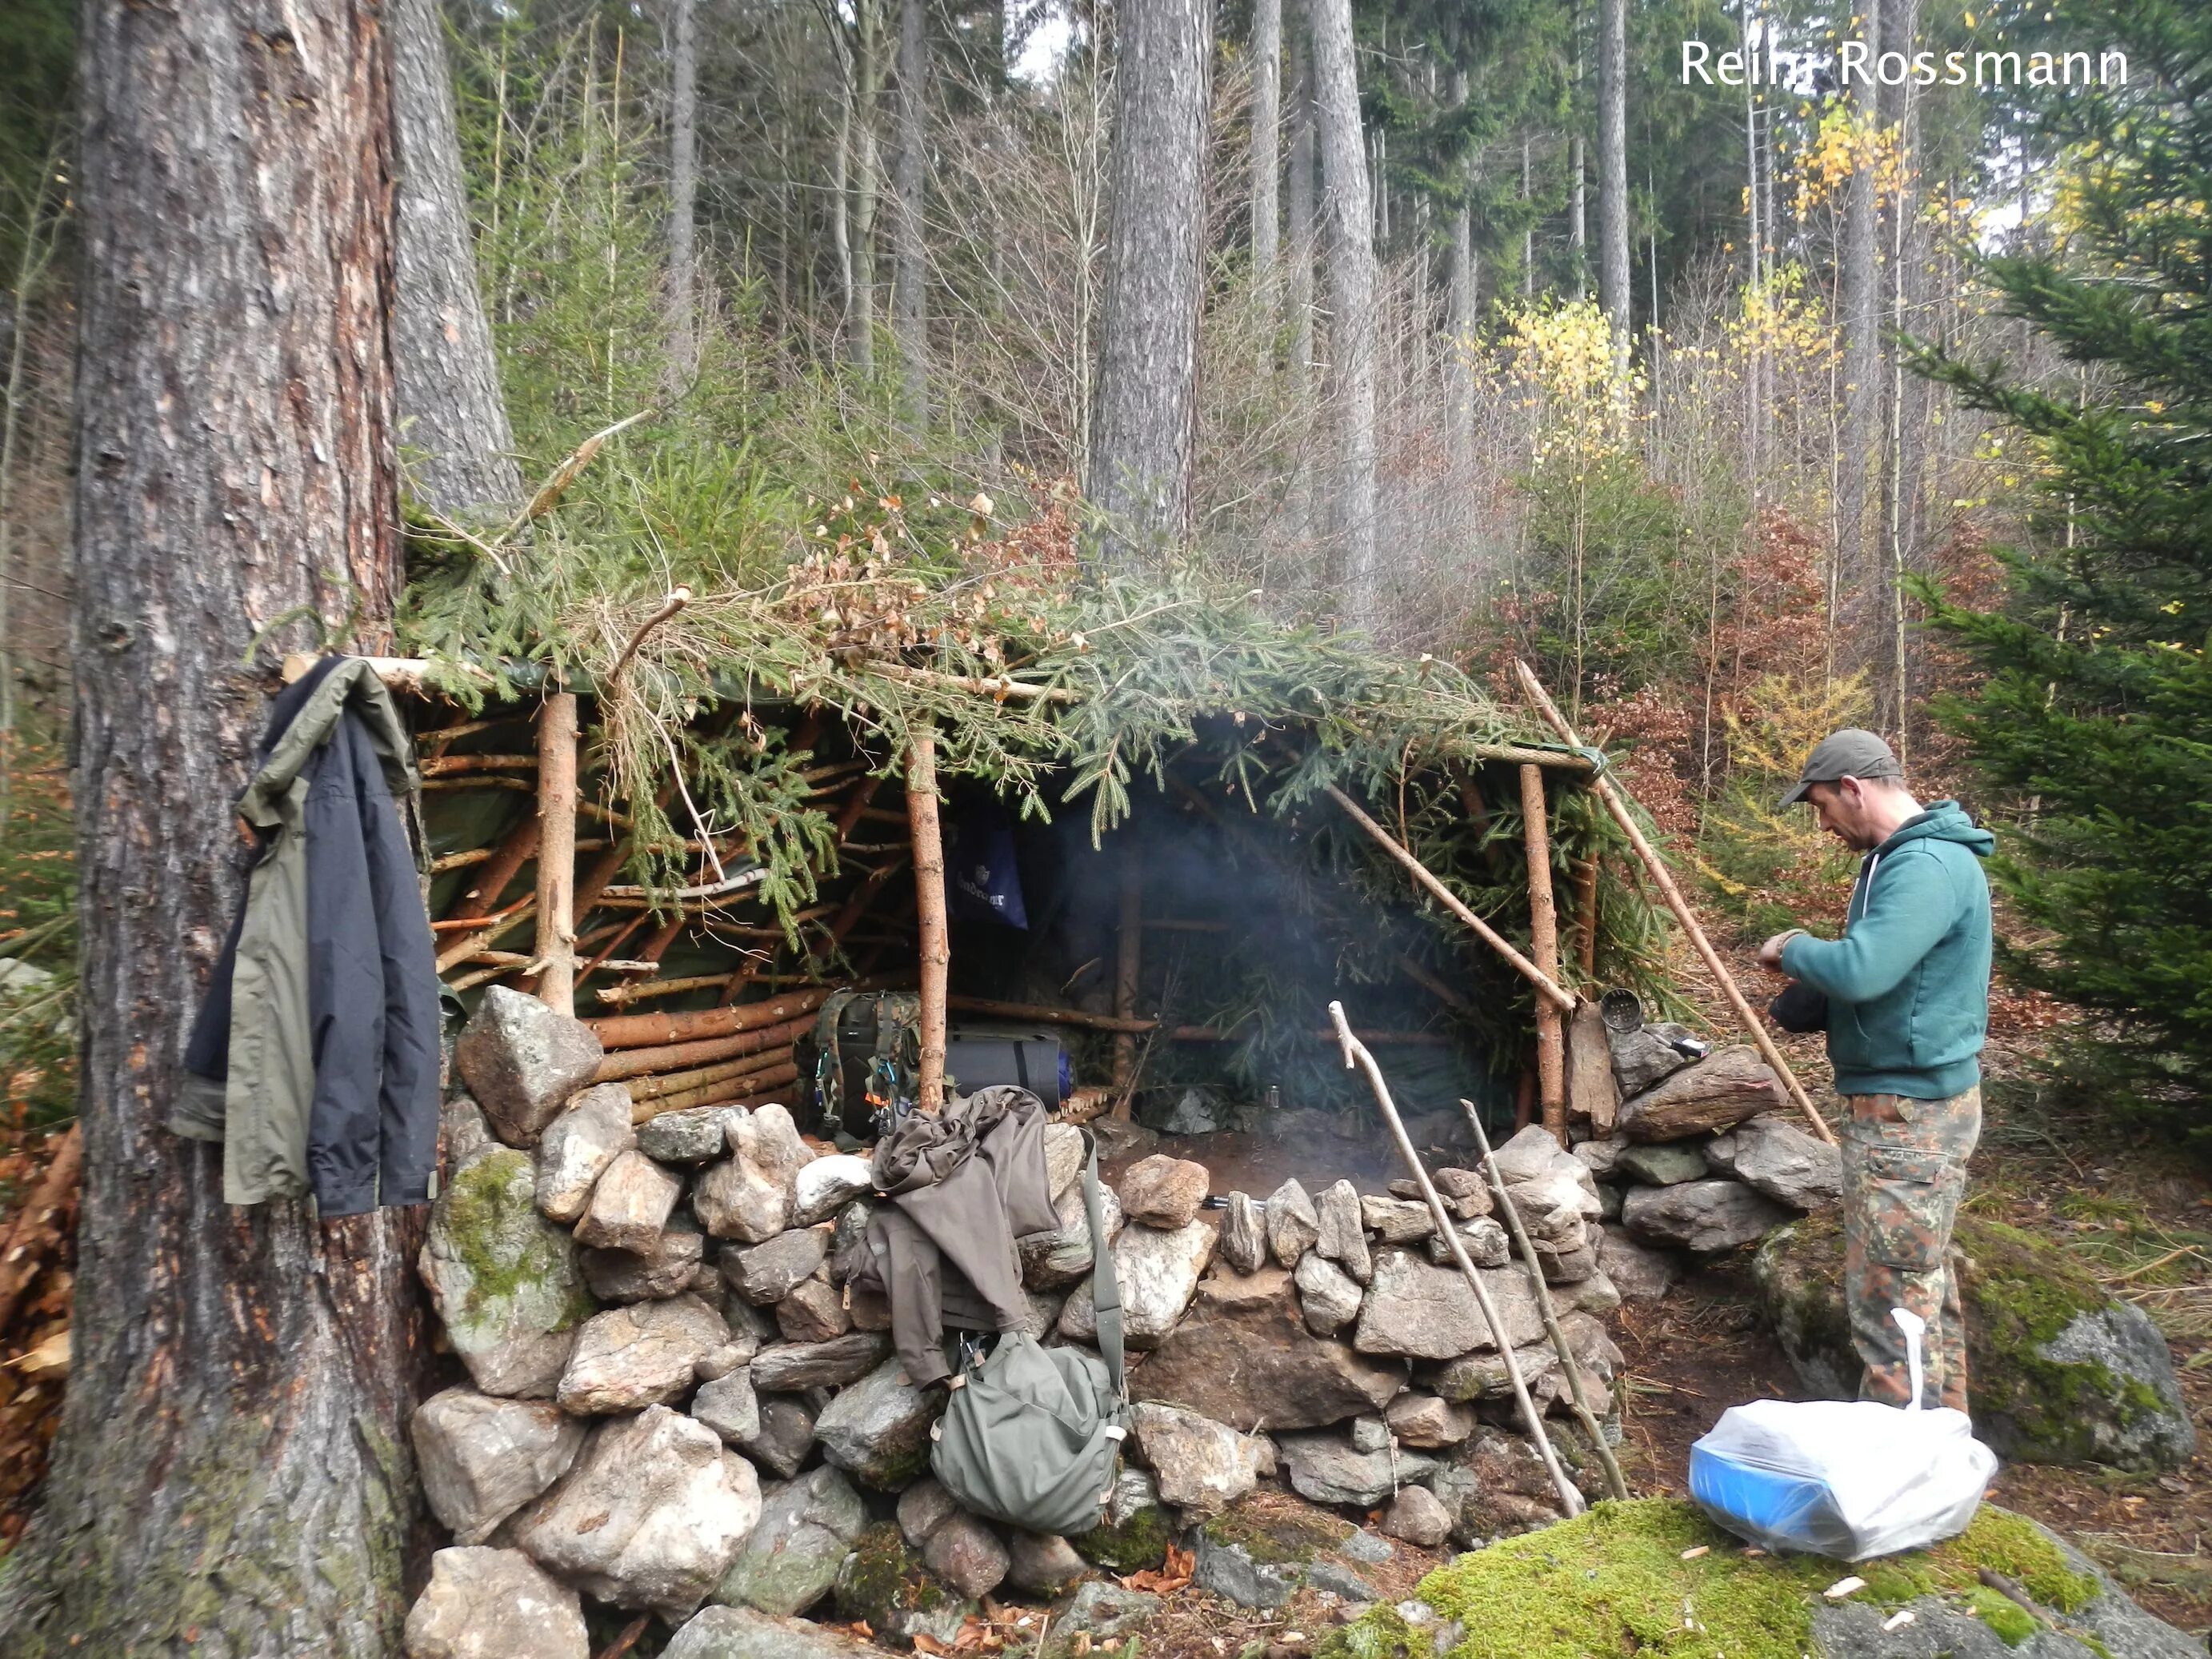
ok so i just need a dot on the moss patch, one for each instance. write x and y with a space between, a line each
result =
1138 1543
883 1578
1382 1633
1274 1532
2020 1293
487 1221
1613 1581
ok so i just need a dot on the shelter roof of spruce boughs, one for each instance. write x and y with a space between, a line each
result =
745 751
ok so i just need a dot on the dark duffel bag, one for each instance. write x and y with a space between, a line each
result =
1028 1057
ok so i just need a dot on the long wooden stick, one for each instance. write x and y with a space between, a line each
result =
1545 984
654 1031
1615 1481
1657 868
557 852
1544 951
1355 1053
936 952
626 1063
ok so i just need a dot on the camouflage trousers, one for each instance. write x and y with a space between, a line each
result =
1904 1169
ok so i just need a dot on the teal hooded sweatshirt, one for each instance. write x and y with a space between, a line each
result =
1908 984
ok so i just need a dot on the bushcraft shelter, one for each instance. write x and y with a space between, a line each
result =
1149 825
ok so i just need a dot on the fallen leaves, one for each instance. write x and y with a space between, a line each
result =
1162 1580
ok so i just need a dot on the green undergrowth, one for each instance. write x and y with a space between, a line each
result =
1614 1581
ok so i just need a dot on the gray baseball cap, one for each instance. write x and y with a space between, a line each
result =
1849 753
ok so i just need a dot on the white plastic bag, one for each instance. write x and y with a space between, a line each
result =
1847 1478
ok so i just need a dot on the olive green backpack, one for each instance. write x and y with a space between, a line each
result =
1032 1436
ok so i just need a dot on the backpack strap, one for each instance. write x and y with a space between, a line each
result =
1105 1288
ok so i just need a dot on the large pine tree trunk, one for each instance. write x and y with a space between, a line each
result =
453 418
1267 141
1612 167
233 1474
1893 557
910 268
868 85
1299 192
1857 460
1352 303
1142 433
683 194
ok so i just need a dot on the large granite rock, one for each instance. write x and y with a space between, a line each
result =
630 1204
813 1311
1417 1516
696 1136
1327 1296
481 1459
1704 1216
1791 1165
1293 1224
967 1556
1157 1271
1162 1192
651 1516
646 1354
1661 1163
1425 1312
730 1406
824 1186
522 1061
1644 1056
790 1367
1640 1274
1396 1220
1474 1376
1055 1260
503 1278
767 1272
1716 1093
1244 1356
1200 1466
749 1195
877 1430
885 1584
725 1633
1427 1421
494 1604
1064 1152
1343 1238
786 1437
577 1146
1483 1239
1327 1468
675 1263
2056 1371
1243 1234
806 1527
1041 1563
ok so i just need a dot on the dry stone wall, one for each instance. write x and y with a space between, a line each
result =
676 1402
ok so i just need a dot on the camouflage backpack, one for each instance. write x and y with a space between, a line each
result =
867 1057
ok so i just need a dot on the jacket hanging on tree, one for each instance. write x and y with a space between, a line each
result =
314 1060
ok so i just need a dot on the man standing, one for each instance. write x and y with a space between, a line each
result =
1908 1004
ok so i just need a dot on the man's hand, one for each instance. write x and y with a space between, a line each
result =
1770 954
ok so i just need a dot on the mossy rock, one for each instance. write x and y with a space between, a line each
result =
1614 1581
1136 1545
885 1583
1274 1531
505 1281
2058 1371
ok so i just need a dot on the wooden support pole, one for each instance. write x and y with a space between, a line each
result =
1586 917
936 952
1547 987
557 852
1661 878
1544 951
505 862
1356 1054
654 1031
1128 974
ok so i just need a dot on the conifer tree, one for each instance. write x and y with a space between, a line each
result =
2096 714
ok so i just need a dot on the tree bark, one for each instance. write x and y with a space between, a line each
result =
453 416
1146 423
557 852
1544 951
935 947
683 195
1300 194
233 1473
910 267
1859 578
1351 284
867 185
1459 371
1266 142
1613 167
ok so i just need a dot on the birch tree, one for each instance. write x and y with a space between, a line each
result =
1613 168
683 191
1349 232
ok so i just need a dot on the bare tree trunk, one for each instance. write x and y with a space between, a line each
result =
1529 233
1351 299
1900 23
1147 397
1613 168
1459 364
682 196
1301 203
233 1473
910 268
1859 579
1266 140
867 188
453 414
